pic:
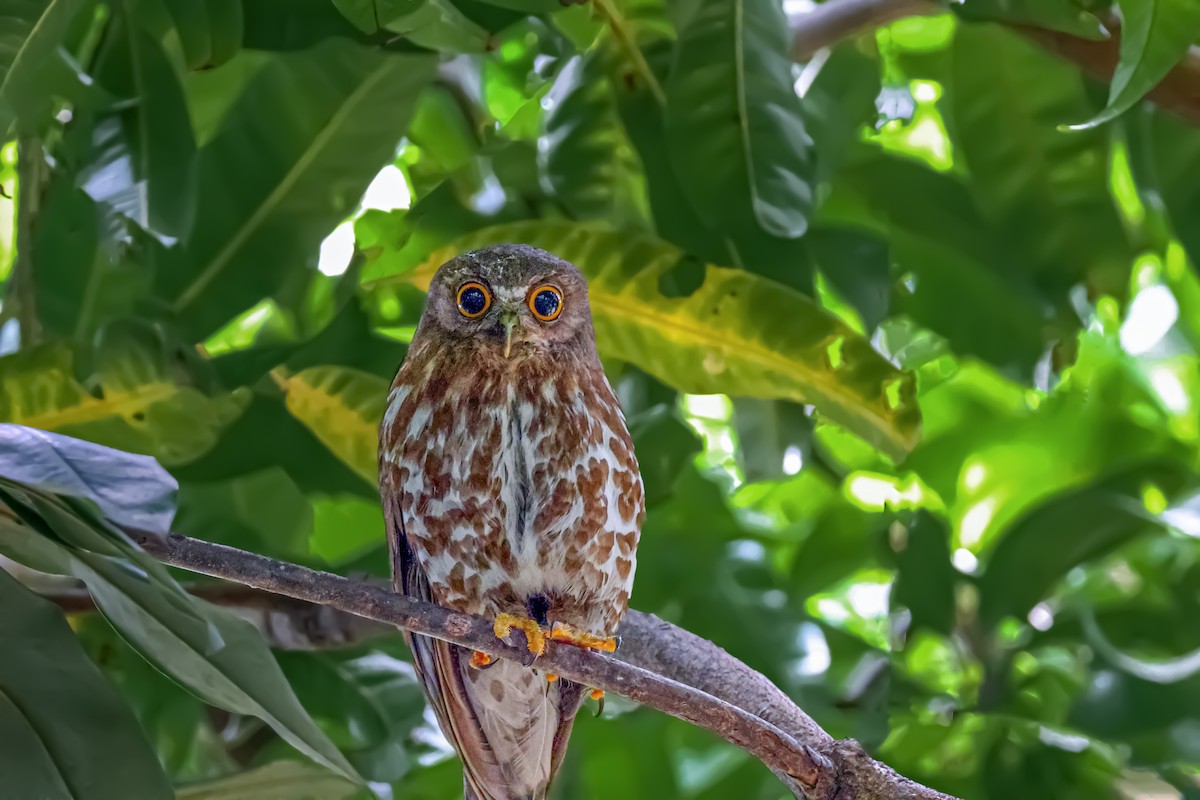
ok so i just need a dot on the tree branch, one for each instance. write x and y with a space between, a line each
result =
659 665
836 20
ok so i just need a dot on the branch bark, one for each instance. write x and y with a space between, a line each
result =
658 665
836 20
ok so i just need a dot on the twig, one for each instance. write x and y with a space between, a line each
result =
287 623
706 686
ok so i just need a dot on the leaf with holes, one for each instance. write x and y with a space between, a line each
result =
734 333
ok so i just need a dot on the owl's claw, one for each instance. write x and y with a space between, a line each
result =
535 637
598 696
573 636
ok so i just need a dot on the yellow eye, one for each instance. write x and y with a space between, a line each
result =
546 303
474 300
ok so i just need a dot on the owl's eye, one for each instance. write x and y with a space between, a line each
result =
546 303
473 299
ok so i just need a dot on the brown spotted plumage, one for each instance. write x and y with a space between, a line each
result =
511 490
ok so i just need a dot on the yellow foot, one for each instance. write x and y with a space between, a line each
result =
597 694
551 677
568 635
480 660
535 637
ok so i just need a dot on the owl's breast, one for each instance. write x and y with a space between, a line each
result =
514 484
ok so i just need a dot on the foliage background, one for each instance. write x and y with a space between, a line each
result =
921 445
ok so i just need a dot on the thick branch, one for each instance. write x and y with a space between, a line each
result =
836 20
706 687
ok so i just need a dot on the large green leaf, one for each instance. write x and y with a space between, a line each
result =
33 70
282 780
1045 188
67 734
1155 36
734 332
145 168
586 154
1068 530
268 192
733 123
213 652
210 31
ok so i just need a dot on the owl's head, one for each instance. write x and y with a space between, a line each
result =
513 297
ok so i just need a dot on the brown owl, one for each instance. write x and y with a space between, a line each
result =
510 490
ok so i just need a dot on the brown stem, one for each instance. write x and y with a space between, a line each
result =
706 686
836 20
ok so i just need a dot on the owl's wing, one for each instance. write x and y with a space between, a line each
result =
470 703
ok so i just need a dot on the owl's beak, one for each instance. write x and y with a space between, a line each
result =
509 319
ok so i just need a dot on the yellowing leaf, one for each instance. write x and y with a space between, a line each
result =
342 407
134 407
738 333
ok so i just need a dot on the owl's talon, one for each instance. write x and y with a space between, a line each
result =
535 637
560 632
598 696
480 660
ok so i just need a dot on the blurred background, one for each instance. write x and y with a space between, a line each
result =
903 311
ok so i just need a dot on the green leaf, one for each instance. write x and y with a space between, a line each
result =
925 577
587 158
213 652
734 333
33 68
1069 529
282 780
258 218
146 165
85 276
439 25
67 733
210 31
1155 36
343 407
1045 189
733 121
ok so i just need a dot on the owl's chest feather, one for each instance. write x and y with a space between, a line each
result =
516 484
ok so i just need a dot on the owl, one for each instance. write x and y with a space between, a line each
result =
511 490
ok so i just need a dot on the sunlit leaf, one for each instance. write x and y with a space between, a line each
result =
732 332
343 407
282 780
